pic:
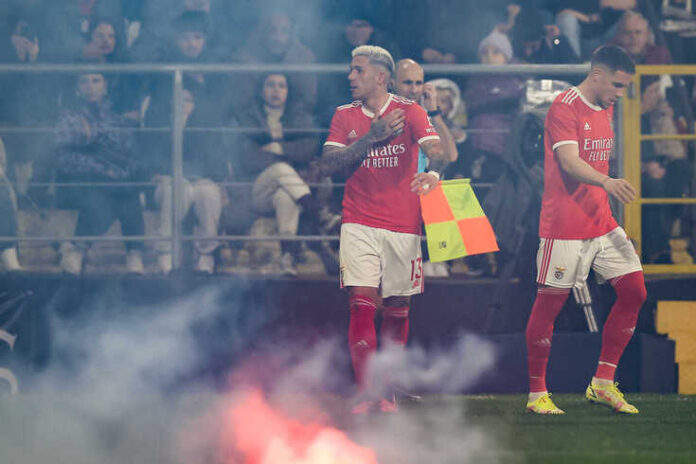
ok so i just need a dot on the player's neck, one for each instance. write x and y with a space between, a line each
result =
586 90
375 103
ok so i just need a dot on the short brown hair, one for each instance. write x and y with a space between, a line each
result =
614 58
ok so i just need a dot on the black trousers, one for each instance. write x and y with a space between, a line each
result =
98 207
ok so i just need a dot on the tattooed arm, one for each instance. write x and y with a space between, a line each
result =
335 159
424 182
435 152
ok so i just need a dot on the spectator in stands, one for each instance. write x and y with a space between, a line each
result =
93 146
353 32
338 43
19 42
102 44
273 160
8 211
26 99
70 22
188 44
219 27
634 35
665 170
587 25
204 164
449 100
492 102
275 41
536 40
105 43
444 31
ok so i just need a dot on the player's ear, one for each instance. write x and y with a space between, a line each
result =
597 73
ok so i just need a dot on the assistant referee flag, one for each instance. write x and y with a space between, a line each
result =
455 224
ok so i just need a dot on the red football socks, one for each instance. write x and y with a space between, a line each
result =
619 326
394 325
362 337
547 306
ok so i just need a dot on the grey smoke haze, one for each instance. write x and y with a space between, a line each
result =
114 402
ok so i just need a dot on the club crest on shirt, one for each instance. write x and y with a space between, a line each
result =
558 274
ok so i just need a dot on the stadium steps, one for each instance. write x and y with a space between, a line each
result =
256 258
677 320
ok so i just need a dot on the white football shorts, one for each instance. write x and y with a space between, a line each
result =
380 258
567 263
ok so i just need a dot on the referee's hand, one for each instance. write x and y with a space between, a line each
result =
621 189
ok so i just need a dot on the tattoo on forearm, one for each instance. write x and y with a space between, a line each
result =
335 159
437 161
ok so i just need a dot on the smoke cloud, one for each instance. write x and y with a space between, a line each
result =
124 390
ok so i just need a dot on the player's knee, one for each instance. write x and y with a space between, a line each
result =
396 312
631 287
396 301
362 305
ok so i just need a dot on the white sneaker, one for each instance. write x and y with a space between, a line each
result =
431 269
287 265
441 269
10 261
164 263
71 261
134 262
206 264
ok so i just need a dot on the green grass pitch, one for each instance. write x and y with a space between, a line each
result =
663 432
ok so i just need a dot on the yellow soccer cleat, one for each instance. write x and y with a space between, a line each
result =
609 395
543 405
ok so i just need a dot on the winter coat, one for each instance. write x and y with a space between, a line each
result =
298 148
91 142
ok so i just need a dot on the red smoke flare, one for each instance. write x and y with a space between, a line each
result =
262 435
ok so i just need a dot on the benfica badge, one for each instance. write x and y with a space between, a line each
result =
558 274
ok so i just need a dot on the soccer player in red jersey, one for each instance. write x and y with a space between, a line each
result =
578 232
377 139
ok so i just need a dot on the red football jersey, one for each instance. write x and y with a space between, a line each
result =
570 209
378 194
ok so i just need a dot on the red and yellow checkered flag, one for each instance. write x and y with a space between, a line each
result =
455 224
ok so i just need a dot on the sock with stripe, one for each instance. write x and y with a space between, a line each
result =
621 323
394 325
548 304
362 337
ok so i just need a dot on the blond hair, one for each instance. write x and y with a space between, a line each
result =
376 55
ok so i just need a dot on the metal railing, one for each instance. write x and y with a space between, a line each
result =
176 71
633 137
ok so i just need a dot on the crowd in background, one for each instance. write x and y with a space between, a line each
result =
111 128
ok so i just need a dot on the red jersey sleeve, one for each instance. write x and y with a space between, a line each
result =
338 136
421 126
561 125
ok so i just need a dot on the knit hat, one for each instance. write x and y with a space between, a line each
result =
498 40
